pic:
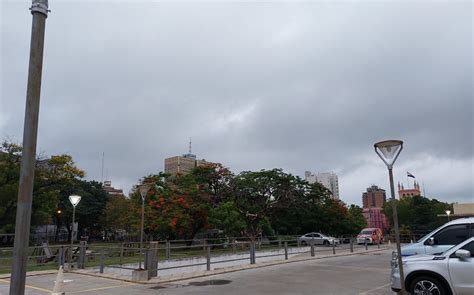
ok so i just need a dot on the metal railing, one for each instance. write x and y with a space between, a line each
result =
165 256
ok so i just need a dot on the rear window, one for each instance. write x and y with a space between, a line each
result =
366 232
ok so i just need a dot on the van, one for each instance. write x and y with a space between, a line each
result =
371 235
442 238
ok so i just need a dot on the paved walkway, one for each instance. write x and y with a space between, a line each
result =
360 273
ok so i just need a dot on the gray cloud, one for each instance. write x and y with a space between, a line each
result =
302 86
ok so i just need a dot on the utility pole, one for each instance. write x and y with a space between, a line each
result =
39 10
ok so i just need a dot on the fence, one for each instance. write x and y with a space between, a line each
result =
168 257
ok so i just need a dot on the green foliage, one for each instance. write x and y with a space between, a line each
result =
227 218
55 179
418 213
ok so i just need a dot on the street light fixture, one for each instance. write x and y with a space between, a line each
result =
144 188
448 212
388 151
74 202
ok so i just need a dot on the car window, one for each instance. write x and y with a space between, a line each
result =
452 235
316 235
472 229
469 247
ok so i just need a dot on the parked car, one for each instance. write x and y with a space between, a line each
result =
450 272
442 238
317 239
371 235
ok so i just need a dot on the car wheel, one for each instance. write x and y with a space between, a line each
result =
427 285
326 243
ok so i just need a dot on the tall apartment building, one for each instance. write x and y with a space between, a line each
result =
374 197
372 202
184 164
328 179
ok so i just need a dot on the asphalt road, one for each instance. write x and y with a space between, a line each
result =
359 274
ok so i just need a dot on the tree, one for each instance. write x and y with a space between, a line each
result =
227 218
44 197
117 215
257 195
355 220
417 213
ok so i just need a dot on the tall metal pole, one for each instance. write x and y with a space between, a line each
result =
397 231
72 233
141 232
39 10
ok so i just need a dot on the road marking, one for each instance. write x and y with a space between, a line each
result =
30 287
355 267
102 288
375 289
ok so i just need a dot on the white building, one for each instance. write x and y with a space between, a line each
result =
327 179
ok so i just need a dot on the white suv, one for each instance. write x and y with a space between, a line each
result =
442 238
451 272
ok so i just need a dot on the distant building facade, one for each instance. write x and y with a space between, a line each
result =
328 179
409 192
374 197
111 191
184 164
372 203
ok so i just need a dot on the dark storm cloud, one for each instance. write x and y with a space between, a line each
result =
302 86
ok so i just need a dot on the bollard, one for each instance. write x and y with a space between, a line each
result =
102 261
279 244
252 252
389 243
378 243
351 245
366 245
153 259
286 250
208 258
168 250
312 248
121 253
333 247
60 256
82 255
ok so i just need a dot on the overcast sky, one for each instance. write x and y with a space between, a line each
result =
299 86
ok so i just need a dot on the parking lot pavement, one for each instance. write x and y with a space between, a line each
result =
363 274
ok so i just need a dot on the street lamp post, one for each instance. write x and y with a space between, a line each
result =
74 201
143 192
388 151
448 212
39 10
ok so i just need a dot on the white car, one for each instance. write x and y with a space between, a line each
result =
451 272
317 239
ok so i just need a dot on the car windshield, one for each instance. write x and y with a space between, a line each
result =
366 232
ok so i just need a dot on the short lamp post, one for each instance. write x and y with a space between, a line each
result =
388 151
448 212
74 202
144 188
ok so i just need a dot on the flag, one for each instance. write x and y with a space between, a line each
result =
410 175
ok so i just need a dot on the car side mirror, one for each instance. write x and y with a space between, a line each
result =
430 241
462 253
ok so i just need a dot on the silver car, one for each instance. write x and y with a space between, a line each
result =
317 239
451 272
